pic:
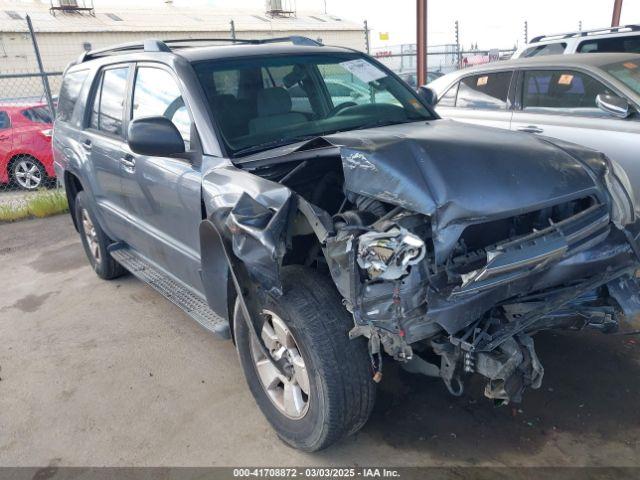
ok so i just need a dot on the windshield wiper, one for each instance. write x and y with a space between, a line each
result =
280 142
383 123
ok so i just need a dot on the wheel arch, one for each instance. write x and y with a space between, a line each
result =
72 186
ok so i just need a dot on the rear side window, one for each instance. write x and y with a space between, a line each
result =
562 91
541 50
37 114
4 120
487 91
69 93
630 44
108 104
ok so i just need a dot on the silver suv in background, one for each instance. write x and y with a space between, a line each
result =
615 39
590 99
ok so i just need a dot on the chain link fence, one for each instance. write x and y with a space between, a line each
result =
27 108
441 59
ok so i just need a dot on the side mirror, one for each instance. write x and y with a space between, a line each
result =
155 137
613 105
428 95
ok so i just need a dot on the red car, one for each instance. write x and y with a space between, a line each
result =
25 145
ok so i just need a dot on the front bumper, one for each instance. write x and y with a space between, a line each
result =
610 259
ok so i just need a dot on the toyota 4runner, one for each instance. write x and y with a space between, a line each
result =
324 233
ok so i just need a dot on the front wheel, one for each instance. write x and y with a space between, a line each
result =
326 391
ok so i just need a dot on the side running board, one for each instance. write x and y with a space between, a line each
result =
190 303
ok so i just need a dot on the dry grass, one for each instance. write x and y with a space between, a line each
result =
41 204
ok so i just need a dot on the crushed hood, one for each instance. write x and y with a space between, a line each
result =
460 174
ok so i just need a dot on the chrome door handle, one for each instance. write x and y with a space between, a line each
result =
530 129
129 163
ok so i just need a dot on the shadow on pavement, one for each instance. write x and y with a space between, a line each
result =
591 387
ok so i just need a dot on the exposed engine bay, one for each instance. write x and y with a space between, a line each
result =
436 271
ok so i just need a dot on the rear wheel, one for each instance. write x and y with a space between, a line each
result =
95 241
326 391
28 173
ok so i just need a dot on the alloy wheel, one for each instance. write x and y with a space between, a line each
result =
27 174
91 236
289 393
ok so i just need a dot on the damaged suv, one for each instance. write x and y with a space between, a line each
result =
324 233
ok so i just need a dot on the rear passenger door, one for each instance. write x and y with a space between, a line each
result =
103 141
162 194
561 103
483 99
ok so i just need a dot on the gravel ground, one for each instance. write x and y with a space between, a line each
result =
97 373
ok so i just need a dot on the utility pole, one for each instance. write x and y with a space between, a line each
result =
526 32
421 41
617 10
232 24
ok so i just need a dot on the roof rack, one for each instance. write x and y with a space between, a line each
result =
153 45
587 33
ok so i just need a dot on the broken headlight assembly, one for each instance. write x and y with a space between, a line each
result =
619 186
387 255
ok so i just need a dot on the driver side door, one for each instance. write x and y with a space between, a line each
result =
162 194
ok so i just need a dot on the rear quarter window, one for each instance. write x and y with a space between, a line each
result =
69 93
541 50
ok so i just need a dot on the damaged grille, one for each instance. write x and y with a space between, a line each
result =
510 260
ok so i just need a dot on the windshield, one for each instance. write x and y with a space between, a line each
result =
627 72
259 103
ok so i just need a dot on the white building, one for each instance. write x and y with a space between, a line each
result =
64 33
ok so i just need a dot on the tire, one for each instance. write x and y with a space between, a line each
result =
341 392
94 240
27 173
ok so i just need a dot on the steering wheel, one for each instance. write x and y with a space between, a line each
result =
338 108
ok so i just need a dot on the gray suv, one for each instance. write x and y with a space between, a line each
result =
324 235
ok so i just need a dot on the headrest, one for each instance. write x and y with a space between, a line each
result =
273 101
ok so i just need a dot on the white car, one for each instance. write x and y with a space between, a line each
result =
589 99
615 39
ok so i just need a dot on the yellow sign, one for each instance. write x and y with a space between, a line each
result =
384 35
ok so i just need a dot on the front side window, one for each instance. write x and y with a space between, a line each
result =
38 114
449 98
69 93
108 106
487 91
259 103
156 94
628 72
561 91
629 44
541 50
4 120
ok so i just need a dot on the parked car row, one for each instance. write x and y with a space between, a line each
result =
26 159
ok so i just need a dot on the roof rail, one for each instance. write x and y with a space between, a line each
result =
295 39
587 33
153 45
